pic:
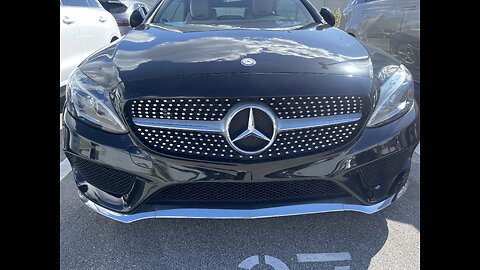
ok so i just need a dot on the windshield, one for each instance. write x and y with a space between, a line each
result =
204 15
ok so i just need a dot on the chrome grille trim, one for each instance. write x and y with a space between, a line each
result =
315 122
219 127
185 125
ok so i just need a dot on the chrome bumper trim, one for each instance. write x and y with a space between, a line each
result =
291 210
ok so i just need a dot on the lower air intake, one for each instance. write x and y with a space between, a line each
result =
110 180
231 193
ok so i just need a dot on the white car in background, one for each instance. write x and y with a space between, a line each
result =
122 10
85 26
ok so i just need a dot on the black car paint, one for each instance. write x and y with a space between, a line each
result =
154 53
142 64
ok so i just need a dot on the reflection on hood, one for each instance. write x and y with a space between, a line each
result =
139 37
210 49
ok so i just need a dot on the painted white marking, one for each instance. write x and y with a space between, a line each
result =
342 267
65 168
275 263
61 115
249 262
324 257
417 150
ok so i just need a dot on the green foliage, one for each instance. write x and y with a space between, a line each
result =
338 16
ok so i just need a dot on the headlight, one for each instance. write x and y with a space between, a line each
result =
91 103
396 95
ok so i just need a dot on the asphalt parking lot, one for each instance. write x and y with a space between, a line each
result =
389 239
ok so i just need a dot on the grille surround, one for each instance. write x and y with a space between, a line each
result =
112 181
241 194
212 146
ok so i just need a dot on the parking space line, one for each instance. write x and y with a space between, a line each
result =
342 267
61 115
65 168
324 257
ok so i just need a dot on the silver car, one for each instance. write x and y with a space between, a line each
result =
122 10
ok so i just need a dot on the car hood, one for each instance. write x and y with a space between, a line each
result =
153 53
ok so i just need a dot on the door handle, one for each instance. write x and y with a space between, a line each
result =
101 19
67 20
409 8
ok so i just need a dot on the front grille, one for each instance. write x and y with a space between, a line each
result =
231 193
181 108
214 146
112 181
386 168
313 106
214 109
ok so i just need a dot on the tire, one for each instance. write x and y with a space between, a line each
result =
407 54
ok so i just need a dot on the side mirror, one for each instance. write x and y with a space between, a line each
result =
137 17
327 16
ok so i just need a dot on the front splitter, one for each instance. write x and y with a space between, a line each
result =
207 213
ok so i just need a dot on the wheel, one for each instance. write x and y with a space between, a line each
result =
406 53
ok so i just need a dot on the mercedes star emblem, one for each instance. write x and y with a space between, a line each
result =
251 128
248 62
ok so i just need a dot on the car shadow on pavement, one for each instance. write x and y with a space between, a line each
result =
92 241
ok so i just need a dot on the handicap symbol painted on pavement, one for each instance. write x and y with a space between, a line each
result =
253 261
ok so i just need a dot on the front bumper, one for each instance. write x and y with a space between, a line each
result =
350 168
209 213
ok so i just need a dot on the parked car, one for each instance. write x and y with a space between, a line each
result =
122 10
392 25
239 109
84 28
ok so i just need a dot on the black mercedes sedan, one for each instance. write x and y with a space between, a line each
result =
238 109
